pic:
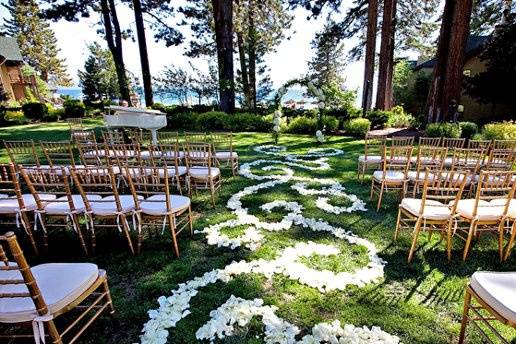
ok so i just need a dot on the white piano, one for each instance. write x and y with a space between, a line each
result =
135 117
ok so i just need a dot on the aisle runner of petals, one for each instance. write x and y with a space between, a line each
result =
238 312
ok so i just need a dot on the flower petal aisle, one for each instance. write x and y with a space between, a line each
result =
237 312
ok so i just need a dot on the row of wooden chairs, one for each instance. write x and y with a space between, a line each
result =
442 209
399 172
60 199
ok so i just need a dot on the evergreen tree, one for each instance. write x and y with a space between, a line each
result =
37 41
99 79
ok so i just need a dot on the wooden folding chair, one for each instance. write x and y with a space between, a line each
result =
75 123
167 156
223 150
510 218
501 160
434 212
430 141
37 296
82 136
393 175
402 141
59 154
193 137
201 173
427 157
92 154
487 212
113 137
372 158
490 296
168 137
111 210
56 207
450 143
15 206
155 206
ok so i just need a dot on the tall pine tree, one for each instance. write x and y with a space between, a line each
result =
37 41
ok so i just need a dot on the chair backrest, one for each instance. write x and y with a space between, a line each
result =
134 135
396 158
501 159
113 136
191 137
470 159
167 137
82 136
485 144
444 186
123 154
151 182
452 142
58 153
430 157
198 155
222 142
48 181
430 141
504 144
495 185
402 140
91 154
74 122
22 152
164 155
16 277
9 183
374 144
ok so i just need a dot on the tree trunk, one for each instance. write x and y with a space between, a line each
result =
367 89
243 68
446 85
144 57
223 17
252 60
384 91
115 46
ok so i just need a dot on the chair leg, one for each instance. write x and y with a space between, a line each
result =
93 239
472 229
414 239
449 240
380 197
465 316
372 189
212 190
77 227
511 241
171 221
125 227
26 225
501 235
190 221
108 296
396 232
53 333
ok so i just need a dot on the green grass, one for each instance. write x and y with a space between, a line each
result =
421 302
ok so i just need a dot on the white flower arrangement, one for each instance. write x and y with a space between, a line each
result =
238 311
319 136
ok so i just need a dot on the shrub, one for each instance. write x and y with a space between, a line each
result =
35 110
331 123
398 118
302 125
444 129
469 129
214 120
181 121
73 108
15 117
378 118
247 122
499 131
357 126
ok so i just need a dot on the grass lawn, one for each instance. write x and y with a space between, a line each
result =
420 302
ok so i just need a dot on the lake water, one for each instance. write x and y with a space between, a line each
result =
76 93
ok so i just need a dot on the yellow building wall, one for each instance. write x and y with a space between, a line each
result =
6 83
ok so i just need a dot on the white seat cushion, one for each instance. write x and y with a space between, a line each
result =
4 196
448 161
92 154
226 155
156 205
498 290
107 206
457 177
11 205
414 175
485 210
511 212
434 210
390 176
371 159
202 172
171 171
60 285
145 155
173 154
63 208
